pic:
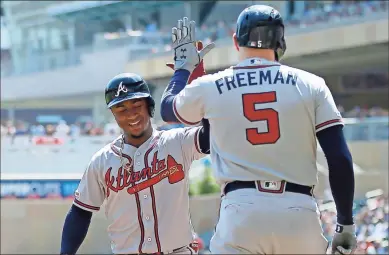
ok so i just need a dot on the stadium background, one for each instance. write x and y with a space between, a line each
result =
56 57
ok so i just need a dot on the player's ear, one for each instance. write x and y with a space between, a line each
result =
235 41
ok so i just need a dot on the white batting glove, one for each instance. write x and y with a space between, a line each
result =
344 240
186 55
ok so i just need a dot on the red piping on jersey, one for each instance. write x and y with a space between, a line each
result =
139 209
153 200
155 218
142 228
252 67
180 118
95 208
328 123
138 206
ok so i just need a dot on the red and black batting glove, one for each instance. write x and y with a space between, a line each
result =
198 71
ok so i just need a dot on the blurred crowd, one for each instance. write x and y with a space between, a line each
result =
316 12
371 219
363 112
60 129
322 11
63 129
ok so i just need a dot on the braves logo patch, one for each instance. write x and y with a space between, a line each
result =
121 88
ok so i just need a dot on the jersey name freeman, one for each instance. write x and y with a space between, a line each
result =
254 78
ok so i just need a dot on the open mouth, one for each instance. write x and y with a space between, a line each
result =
134 123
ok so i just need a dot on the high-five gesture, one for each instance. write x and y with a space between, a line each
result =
186 54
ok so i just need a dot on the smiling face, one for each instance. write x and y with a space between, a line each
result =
133 117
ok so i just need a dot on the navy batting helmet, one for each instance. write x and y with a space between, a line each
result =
262 27
128 86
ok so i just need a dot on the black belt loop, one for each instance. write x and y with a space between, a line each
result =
289 187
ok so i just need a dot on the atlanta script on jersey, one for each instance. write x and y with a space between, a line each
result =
263 118
146 200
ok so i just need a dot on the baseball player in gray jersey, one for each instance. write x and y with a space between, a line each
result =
142 176
265 118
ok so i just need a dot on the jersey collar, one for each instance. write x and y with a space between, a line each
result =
256 62
130 150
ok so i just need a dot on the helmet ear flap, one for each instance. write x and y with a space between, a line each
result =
151 105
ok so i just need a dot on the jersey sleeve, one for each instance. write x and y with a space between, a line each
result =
90 193
190 144
326 112
188 105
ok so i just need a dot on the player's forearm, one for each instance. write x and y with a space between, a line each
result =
176 84
75 229
341 172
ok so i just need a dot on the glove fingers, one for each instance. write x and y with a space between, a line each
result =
192 31
179 29
206 49
185 27
174 35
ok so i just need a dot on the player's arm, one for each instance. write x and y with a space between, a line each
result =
177 84
88 198
329 131
75 229
180 103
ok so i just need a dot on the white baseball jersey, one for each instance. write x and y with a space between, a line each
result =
264 117
146 201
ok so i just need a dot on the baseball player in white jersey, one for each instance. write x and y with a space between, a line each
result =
142 177
264 120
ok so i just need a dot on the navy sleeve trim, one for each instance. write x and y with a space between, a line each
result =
176 84
75 229
341 172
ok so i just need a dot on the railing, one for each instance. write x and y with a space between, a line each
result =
368 129
24 159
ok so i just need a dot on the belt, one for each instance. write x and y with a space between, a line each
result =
270 187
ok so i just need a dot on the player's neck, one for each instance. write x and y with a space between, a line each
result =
246 53
137 141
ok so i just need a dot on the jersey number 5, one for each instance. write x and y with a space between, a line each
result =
268 114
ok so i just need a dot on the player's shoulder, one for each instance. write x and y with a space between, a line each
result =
303 77
110 149
211 78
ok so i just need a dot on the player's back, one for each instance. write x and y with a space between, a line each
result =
263 122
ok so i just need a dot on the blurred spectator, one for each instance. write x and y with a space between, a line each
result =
88 128
50 130
111 129
152 27
4 130
75 131
37 130
62 129
371 219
